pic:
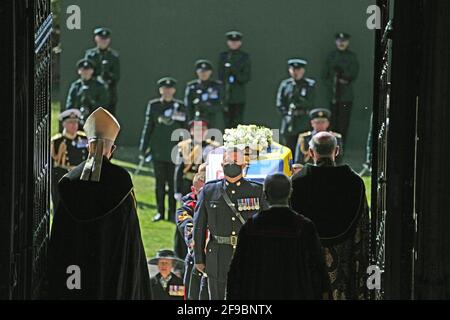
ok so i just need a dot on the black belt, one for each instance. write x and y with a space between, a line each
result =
231 240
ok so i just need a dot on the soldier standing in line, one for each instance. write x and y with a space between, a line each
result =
235 73
294 99
163 116
108 64
68 149
340 72
203 97
87 93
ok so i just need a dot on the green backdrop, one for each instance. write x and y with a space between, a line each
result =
164 37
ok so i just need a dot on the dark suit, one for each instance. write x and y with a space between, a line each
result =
268 239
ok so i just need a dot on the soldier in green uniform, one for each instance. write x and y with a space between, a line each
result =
192 153
163 116
320 121
87 93
294 99
223 206
235 73
107 64
68 149
203 97
340 71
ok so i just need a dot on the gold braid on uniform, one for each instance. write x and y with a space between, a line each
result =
60 157
189 156
301 140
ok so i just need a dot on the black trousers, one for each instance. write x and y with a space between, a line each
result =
216 289
234 115
164 175
340 118
290 141
198 285
180 247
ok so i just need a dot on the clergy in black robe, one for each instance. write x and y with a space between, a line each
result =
95 249
334 198
278 255
166 285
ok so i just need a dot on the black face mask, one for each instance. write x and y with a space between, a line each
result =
232 170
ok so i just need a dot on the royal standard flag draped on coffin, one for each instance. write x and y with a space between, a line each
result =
263 155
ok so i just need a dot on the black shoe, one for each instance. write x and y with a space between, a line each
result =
157 217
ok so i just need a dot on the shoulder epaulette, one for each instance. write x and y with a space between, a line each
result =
184 143
213 143
311 82
213 181
154 101
81 133
337 135
303 135
192 82
255 182
57 136
115 53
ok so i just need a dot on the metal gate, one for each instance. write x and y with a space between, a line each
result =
380 131
26 161
41 142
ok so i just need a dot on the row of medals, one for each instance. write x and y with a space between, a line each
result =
248 204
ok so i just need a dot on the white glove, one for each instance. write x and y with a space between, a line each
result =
178 196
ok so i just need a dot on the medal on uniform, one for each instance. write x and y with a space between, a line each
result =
257 204
240 204
252 203
248 203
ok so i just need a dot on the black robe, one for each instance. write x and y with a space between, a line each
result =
334 199
278 257
174 289
96 228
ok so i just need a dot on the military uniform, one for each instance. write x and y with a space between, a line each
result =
161 119
87 95
185 225
302 148
235 73
213 213
302 154
107 64
203 99
340 71
67 152
294 99
190 157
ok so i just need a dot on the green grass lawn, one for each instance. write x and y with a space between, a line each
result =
154 235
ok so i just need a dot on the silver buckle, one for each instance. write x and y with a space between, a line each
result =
234 240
